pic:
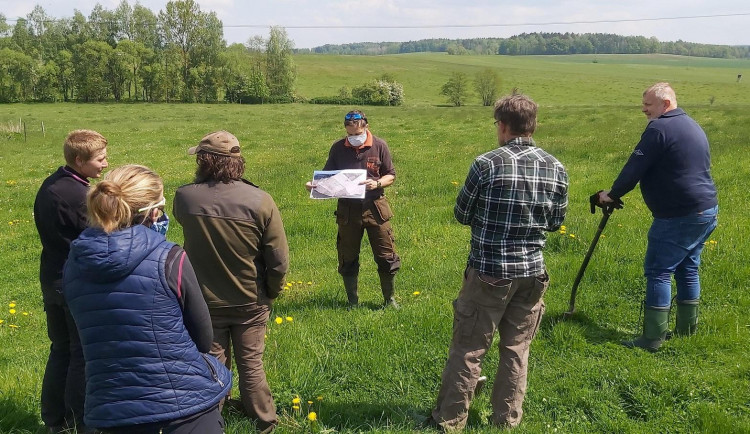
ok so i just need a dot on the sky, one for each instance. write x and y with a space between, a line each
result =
311 23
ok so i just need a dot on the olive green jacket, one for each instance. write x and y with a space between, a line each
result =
235 239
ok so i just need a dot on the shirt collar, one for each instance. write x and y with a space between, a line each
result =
520 141
75 175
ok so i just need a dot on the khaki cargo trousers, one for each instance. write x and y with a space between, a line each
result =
514 308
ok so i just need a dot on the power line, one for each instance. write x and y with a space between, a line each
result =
440 26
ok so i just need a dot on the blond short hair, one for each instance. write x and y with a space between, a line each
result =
114 202
84 144
663 91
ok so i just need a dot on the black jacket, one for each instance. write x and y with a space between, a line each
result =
60 216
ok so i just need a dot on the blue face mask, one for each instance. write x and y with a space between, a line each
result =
161 225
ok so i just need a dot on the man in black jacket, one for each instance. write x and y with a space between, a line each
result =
673 165
60 216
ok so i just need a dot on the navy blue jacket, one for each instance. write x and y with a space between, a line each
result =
673 165
141 364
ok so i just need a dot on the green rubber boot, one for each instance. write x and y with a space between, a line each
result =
655 325
350 284
386 285
687 317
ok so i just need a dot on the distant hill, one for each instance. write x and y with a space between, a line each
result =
540 44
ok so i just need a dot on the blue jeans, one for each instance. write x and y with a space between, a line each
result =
674 247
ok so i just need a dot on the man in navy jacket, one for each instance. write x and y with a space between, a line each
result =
672 163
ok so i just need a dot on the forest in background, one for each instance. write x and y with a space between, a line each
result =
179 54
541 44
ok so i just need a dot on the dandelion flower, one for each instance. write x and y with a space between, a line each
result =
454 182
299 282
312 416
289 284
572 235
309 402
26 314
296 401
2 321
12 311
309 283
279 320
295 407
563 227
320 398
415 293
12 304
13 326
289 318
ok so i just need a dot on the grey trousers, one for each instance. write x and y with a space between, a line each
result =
512 307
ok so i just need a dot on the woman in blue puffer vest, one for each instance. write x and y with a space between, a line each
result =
144 326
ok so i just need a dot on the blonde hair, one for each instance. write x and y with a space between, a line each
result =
664 92
114 202
84 144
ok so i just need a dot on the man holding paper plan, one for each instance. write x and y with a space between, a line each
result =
360 149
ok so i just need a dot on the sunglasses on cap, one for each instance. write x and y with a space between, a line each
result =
354 117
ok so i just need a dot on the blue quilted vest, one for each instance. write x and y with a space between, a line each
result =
141 364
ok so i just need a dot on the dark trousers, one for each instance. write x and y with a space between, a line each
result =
353 219
207 422
64 383
243 329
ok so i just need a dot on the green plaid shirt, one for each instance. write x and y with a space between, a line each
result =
512 195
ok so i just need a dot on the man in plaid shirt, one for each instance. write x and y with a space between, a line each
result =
512 195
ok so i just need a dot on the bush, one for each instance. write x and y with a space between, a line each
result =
335 100
382 91
379 92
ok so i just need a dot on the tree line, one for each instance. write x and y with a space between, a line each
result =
131 53
541 44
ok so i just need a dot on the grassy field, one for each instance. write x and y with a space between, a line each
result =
376 370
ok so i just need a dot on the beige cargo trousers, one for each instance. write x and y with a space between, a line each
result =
514 308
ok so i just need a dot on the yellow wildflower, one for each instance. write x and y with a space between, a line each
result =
299 282
279 320
572 235
13 326
454 182
320 398
2 321
289 318
312 417
296 400
309 283
12 304
26 314
12 311
295 407
289 284
415 293
309 402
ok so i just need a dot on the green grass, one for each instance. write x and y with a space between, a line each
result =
379 370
